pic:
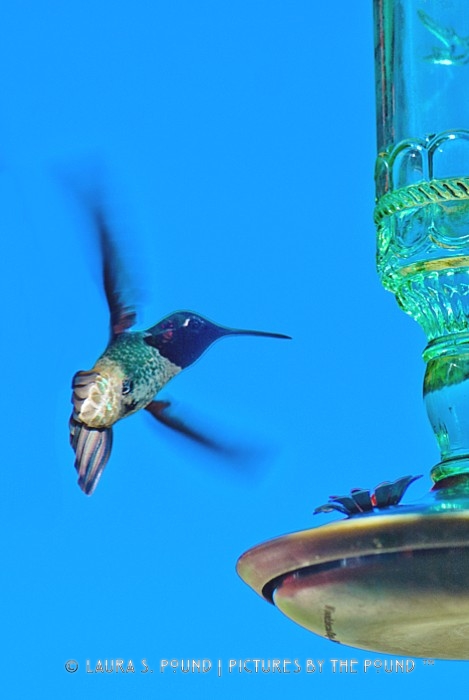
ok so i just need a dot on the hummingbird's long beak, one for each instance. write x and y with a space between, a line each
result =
238 331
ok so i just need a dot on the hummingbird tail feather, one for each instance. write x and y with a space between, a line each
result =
92 448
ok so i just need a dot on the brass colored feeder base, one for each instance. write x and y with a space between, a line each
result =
395 582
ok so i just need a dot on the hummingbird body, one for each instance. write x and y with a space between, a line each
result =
124 379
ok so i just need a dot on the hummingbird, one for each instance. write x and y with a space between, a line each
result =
133 369
455 49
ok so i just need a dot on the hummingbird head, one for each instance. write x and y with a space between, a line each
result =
182 337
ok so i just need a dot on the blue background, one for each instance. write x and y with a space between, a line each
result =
234 143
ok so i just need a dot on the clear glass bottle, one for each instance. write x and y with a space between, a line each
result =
422 197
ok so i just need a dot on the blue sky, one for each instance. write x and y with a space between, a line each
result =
235 145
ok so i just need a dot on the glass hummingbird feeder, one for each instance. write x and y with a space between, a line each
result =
389 577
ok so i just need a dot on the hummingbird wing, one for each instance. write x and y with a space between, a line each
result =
96 193
92 448
123 314
161 411
244 455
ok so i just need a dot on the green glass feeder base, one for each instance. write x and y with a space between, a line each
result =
394 581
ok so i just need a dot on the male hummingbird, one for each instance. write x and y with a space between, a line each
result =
132 370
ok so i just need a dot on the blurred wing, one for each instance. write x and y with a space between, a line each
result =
240 452
123 314
161 411
100 199
92 450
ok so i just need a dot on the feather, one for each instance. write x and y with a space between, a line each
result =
92 448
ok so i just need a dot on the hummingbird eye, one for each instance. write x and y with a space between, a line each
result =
168 327
194 323
127 386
